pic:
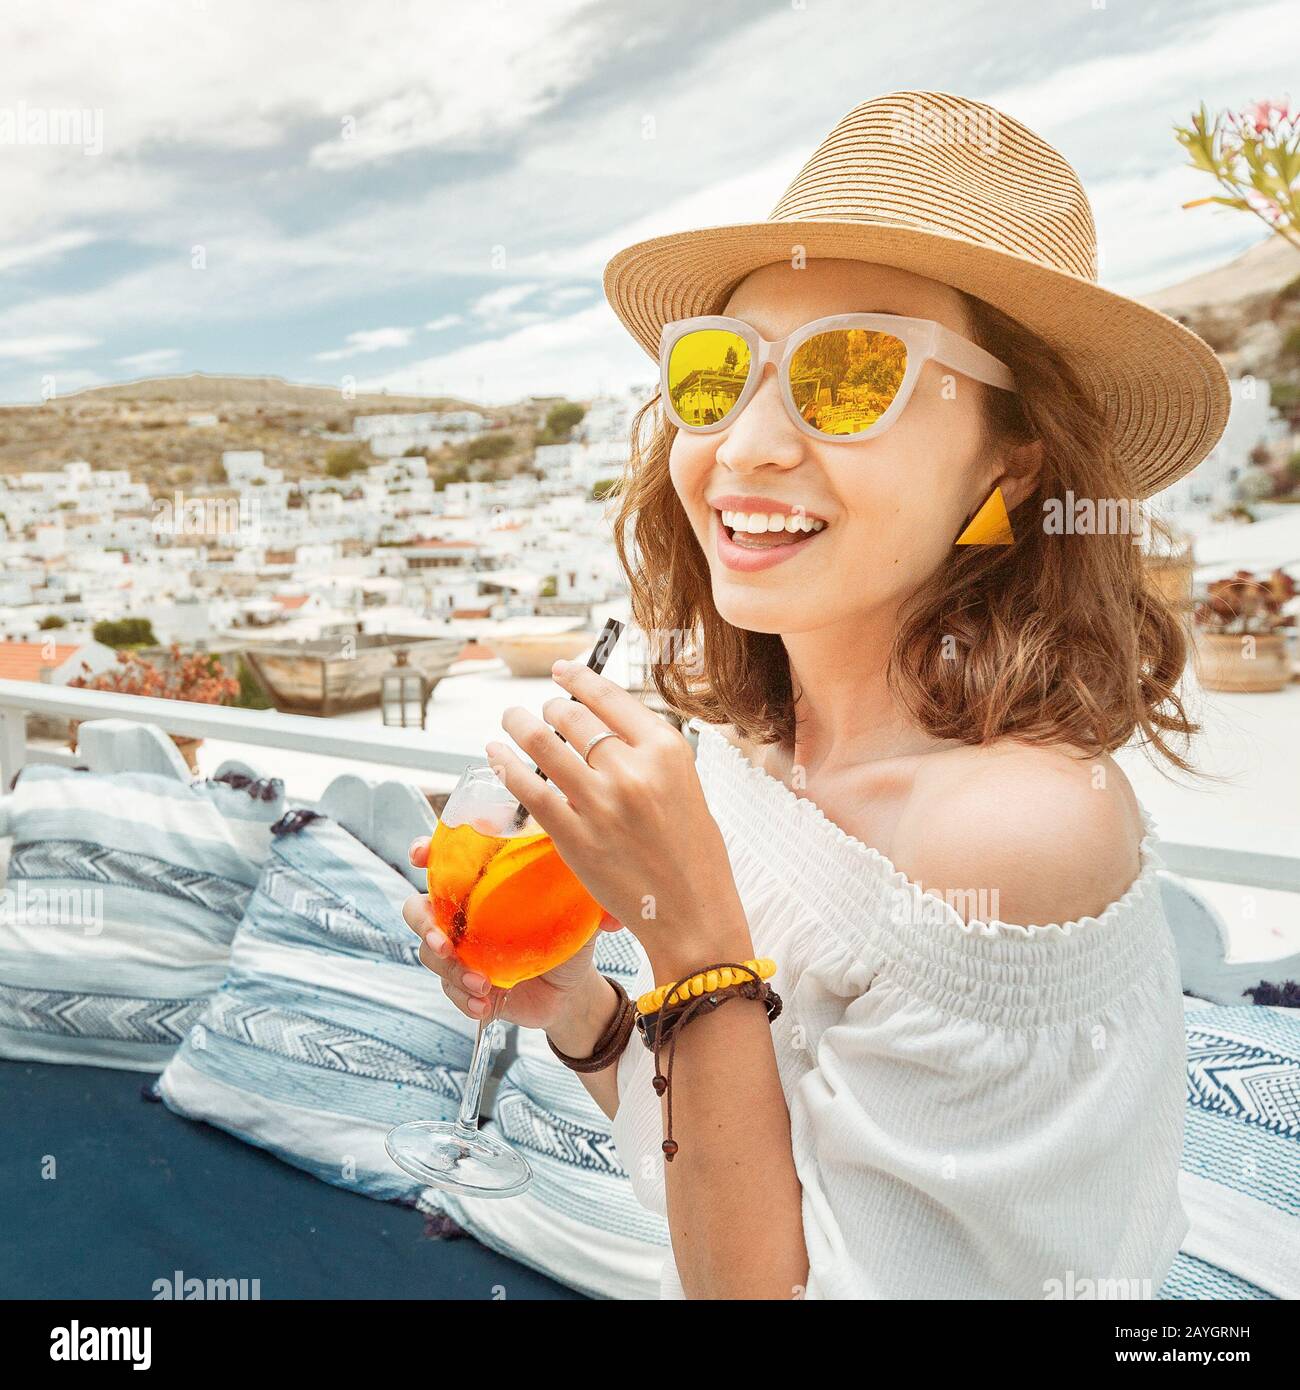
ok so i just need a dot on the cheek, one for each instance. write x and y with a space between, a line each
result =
690 461
904 503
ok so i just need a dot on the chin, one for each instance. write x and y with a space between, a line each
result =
753 611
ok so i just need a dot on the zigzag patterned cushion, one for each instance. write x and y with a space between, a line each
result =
579 1222
124 892
327 1030
1240 1179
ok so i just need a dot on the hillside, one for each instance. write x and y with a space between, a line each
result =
201 391
1263 270
144 426
1249 312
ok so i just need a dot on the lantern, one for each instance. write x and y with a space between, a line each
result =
404 692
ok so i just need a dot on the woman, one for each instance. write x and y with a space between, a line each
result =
904 792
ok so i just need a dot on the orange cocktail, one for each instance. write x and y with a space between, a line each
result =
510 906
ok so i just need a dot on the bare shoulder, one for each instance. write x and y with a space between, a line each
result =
1048 833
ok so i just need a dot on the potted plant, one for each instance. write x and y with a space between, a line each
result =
1251 155
199 677
1241 632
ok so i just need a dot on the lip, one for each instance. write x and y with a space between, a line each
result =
737 557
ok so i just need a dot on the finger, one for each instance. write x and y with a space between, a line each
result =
545 801
471 1004
439 943
608 923
610 703
416 914
575 721
418 854
432 959
557 760
467 988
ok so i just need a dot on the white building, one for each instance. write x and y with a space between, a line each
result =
1213 483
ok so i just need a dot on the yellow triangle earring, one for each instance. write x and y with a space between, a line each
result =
990 525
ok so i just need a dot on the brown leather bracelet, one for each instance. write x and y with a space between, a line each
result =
611 1043
662 1024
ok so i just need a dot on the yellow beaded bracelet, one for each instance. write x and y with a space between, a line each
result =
705 982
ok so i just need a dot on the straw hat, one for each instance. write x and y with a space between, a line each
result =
958 191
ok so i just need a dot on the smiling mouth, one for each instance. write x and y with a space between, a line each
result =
768 530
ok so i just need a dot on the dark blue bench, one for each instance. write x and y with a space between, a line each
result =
140 1193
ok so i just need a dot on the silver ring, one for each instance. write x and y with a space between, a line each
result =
586 752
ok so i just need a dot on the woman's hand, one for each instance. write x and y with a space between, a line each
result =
549 1001
632 824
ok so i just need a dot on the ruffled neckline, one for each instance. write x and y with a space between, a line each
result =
853 852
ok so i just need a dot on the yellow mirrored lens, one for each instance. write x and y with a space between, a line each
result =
707 370
844 381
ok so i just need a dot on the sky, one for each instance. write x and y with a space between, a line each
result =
417 195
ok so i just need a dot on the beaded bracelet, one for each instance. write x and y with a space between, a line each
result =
662 1025
705 982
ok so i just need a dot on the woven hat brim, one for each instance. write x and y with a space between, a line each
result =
1162 390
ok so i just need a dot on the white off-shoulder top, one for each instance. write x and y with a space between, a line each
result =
978 1110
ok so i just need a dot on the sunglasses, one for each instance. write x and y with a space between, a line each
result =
847 377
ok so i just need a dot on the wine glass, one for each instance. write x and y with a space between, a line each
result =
512 909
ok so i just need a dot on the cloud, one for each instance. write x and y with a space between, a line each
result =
577 355
46 346
369 340
44 248
150 361
396 152
499 309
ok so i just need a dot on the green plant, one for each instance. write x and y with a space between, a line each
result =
1245 604
494 445
561 420
1253 155
123 633
602 488
51 621
548 587
199 677
251 694
343 460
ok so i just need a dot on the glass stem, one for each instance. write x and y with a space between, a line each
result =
472 1097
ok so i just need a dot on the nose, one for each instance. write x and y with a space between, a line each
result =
762 433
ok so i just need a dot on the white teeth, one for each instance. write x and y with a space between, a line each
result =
756 523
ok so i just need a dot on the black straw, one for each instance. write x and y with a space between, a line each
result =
600 654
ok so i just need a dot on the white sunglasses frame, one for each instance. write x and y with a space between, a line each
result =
925 340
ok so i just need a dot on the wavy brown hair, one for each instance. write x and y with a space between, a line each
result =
1057 639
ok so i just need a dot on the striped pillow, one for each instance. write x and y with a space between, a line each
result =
124 892
579 1221
1240 1178
327 1030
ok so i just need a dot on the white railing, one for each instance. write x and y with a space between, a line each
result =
413 749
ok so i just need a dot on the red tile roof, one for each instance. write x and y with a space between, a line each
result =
24 661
